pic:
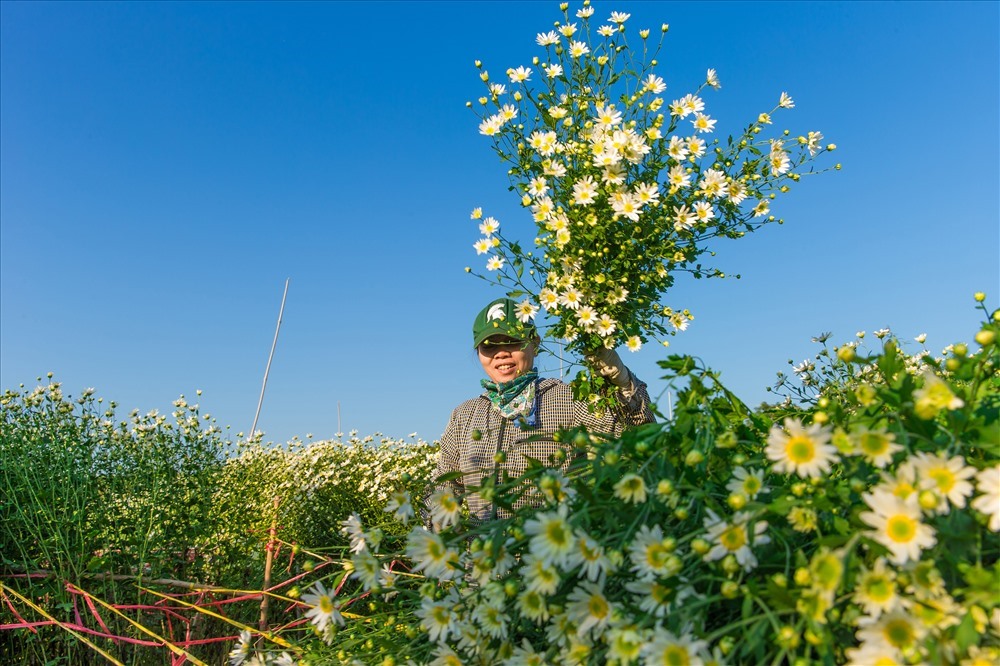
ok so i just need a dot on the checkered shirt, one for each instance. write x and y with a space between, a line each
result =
557 410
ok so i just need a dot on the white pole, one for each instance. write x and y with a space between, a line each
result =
270 356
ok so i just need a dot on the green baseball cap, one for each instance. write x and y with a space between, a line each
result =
500 318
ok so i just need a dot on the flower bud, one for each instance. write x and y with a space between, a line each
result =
680 513
726 440
820 417
736 501
927 499
730 588
694 457
979 296
985 337
730 565
831 146
846 354
700 546
788 638
960 349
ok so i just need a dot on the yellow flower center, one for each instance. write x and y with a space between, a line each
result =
545 574
675 655
903 489
828 570
557 533
632 486
899 633
879 588
800 449
589 554
326 604
734 538
751 486
598 607
656 555
660 593
874 444
943 478
901 529
532 600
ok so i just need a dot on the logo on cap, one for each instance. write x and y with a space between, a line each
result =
495 312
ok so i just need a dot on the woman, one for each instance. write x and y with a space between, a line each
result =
495 434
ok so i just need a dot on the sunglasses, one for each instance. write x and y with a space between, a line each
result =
490 346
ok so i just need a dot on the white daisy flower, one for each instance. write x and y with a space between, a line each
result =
589 609
445 508
666 648
526 311
897 525
241 650
947 477
325 608
552 538
800 450
988 500
652 555
734 538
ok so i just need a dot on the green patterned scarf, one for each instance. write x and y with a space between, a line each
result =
515 398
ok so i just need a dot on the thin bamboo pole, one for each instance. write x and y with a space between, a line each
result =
269 560
270 356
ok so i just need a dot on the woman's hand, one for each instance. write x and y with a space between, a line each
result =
608 364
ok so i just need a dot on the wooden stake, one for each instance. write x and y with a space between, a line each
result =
269 559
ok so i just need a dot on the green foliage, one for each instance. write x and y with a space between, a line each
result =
860 522
112 505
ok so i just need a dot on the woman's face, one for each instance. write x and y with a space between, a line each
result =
505 359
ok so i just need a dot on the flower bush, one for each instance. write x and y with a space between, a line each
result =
860 525
626 189
96 508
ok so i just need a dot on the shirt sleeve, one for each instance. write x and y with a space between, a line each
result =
636 409
449 453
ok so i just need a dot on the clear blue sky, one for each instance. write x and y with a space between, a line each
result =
165 166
